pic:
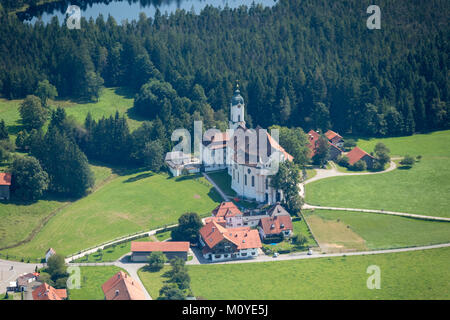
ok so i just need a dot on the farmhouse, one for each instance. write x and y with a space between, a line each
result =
5 185
230 213
219 243
357 154
334 138
47 292
334 143
275 227
122 287
141 250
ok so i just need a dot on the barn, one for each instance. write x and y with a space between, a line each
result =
140 251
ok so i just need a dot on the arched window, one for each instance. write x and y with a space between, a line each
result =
239 118
245 179
253 181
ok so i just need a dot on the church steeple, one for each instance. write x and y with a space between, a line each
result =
237 109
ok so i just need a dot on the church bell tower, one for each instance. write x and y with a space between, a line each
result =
237 110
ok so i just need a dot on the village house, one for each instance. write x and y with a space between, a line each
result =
335 143
122 287
47 292
5 185
141 250
219 243
275 227
357 154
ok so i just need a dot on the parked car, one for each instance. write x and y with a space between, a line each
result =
310 252
275 254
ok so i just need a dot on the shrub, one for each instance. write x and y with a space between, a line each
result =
407 161
358 166
156 261
343 161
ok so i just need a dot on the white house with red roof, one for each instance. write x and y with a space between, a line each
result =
122 287
220 243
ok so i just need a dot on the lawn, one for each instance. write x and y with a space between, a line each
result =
31 216
377 230
124 205
223 181
423 189
407 275
110 101
299 227
92 279
154 281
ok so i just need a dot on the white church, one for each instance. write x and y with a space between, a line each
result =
251 156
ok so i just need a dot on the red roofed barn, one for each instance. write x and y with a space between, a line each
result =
357 154
141 250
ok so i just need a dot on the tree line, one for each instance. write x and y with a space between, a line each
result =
309 64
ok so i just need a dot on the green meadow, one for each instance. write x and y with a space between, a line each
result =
381 231
406 275
91 282
423 189
124 205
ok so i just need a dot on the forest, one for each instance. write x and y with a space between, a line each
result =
310 64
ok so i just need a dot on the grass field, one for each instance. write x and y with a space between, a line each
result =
407 275
32 215
154 281
124 205
92 279
378 231
110 101
223 180
423 189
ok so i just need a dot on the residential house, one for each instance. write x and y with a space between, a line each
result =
230 213
335 150
252 218
357 154
141 250
219 243
47 292
334 138
122 287
275 227
5 185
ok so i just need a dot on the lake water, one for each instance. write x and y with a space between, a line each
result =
128 9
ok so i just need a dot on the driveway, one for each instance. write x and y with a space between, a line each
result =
7 274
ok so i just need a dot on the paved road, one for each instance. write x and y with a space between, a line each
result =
7 274
303 255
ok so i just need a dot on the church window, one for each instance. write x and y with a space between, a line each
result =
245 179
253 181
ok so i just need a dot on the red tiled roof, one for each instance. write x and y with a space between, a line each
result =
273 225
122 287
244 237
331 135
5 179
356 154
219 220
47 292
165 246
226 209
314 136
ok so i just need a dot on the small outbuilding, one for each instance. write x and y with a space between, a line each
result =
140 251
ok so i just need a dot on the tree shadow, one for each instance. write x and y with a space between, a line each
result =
139 177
